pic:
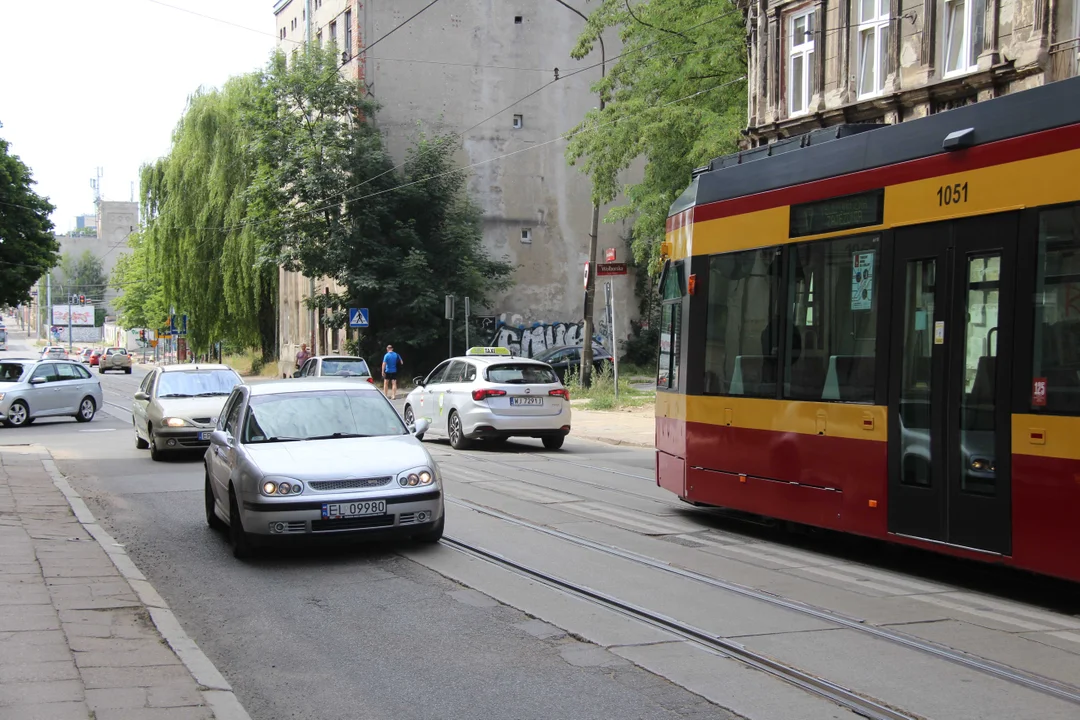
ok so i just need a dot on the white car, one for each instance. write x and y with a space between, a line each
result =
488 394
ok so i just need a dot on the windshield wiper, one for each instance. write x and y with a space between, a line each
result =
175 395
212 394
275 439
331 436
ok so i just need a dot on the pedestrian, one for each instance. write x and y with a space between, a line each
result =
302 356
390 362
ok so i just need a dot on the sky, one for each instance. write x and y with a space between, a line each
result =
102 83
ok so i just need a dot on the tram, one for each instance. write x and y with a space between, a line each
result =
875 329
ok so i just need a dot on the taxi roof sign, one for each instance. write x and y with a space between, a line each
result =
488 351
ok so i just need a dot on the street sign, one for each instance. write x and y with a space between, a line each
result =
586 276
610 269
609 255
358 317
449 313
183 325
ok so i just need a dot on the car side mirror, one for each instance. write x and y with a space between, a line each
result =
296 373
38 381
219 437
418 381
421 426
141 396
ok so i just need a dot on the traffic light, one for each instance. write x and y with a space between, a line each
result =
142 334
82 299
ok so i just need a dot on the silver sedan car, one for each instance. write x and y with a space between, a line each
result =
177 407
326 457
32 389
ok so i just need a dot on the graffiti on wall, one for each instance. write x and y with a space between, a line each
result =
528 339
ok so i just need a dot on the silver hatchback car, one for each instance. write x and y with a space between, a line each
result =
32 389
326 457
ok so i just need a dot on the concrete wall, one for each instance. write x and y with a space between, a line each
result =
449 69
115 222
1024 44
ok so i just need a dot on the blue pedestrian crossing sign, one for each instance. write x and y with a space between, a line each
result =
358 317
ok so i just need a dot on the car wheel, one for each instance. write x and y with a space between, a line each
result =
155 454
18 415
87 408
212 519
553 442
410 419
140 444
241 541
458 441
433 535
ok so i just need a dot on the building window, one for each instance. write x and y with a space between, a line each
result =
742 333
963 36
832 335
318 38
873 46
1055 381
348 32
526 235
333 32
517 19
518 122
667 367
800 65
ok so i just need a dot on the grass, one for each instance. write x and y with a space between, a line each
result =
249 363
601 394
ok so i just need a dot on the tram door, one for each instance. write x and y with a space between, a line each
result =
949 382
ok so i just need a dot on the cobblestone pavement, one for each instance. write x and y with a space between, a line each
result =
77 639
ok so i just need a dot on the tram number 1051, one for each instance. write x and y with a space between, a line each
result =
952 194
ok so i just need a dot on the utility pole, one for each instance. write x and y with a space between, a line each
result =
590 281
48 301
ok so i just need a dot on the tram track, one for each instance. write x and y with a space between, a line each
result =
842 696
1031 681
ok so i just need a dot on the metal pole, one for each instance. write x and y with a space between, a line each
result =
466 322
48 301
590 283
614 342
70 310
450 334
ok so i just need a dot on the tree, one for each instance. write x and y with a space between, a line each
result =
329 202
201 247
142 304
675 97
82 274
27 246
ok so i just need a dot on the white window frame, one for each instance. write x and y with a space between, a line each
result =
805 50
965 41
878 25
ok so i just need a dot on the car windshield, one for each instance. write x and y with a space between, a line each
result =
345 367
11 371
320 415
197 383
521 374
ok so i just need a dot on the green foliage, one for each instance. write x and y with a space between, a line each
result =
329 202
84 232
675 97
208 260
82 274
142 303
27 247
601 391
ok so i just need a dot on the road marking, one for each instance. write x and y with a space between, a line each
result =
782 562
996 617
891 578
524 491
629 519
857 582
1046 616
1066 635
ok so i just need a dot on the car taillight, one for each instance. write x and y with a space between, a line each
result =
486 393
371 380
563 393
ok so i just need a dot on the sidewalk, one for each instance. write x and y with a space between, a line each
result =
636 427
83 635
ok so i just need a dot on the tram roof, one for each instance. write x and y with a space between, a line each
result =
844 149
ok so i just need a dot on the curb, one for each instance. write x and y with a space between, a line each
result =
216 692
615 441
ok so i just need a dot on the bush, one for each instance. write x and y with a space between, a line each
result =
641 347
257 365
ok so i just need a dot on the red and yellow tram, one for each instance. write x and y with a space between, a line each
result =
876 330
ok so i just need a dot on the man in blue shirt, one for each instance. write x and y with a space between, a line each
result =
390 362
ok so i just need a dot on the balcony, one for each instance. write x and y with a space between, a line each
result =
1064 60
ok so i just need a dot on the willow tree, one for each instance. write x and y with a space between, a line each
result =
675 97
198 229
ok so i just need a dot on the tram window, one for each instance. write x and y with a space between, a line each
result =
742 334
832 336
667 371
1055 378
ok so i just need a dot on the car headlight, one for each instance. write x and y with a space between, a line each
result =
1 397
280 486
417 477
175 422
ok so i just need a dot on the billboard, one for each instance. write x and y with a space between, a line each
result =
80 315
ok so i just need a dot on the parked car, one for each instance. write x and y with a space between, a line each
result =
84 355
328 457
95 356
177 406
115 358
3 338
32 389
345 366
54 352
489 395
564 357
